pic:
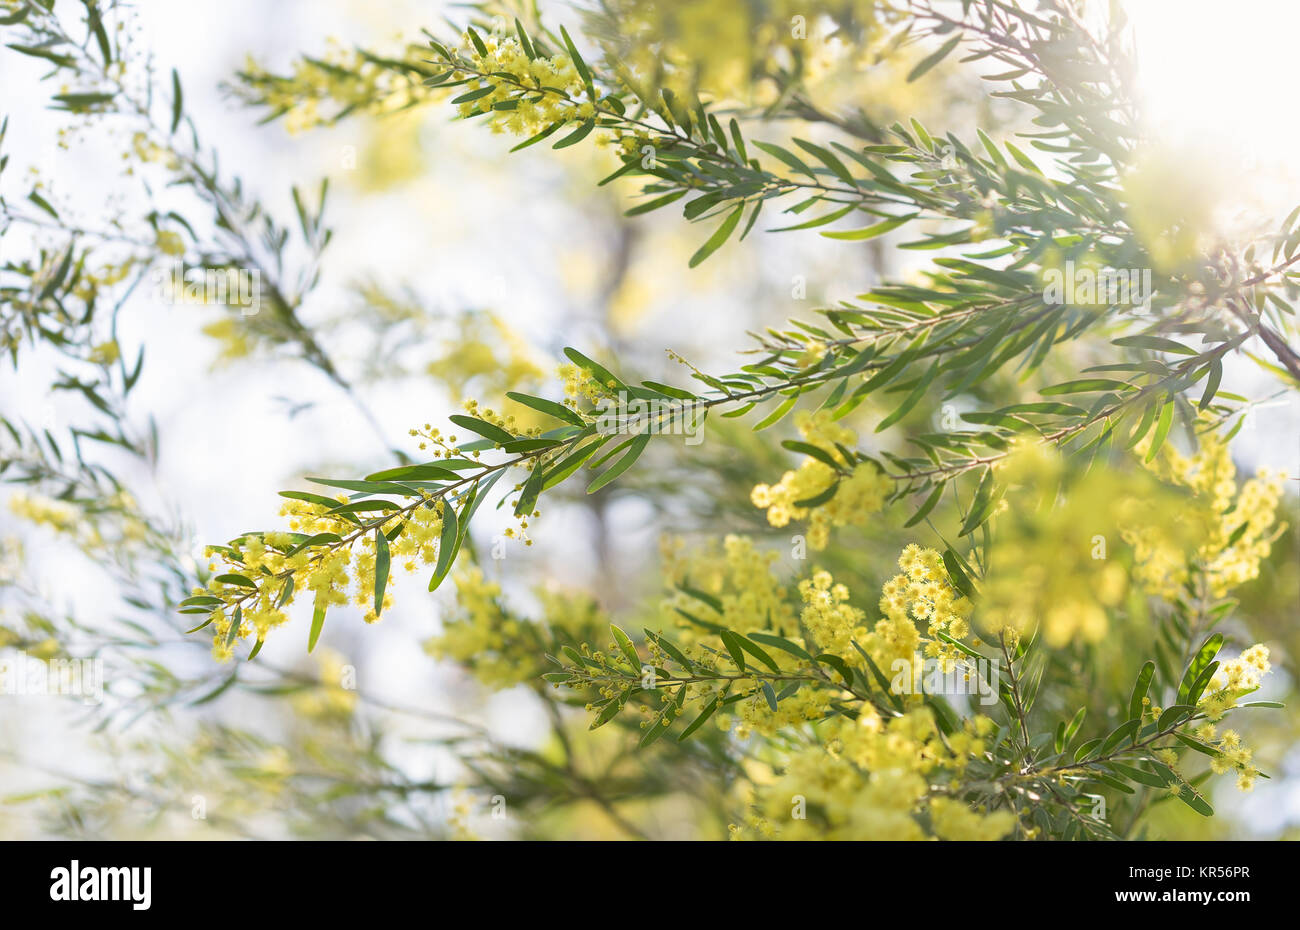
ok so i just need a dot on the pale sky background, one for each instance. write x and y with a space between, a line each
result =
471 234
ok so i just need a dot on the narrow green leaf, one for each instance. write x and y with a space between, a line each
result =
382 562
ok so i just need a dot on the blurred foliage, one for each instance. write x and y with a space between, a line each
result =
1029 406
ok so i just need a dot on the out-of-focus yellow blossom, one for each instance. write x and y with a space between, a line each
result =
480 634
106 353
148 152
91 281
739 575
1170 205
735 50
1223 510
954 820
1055 558
60 516
336 696
234 335
170 243
871 778
859 495
491 355
339 80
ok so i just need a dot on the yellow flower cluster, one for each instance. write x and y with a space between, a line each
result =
59 516
341 76
92 280
580 389
872 779
952 820
923 592
489 353
756 715
480 634
739 575
1055 558
1233 757
531 113
336 696
741 51
831 621
859 495
1234 679
90 530
1225 562
325 570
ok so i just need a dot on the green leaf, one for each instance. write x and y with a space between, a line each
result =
219 690
734 648
1162 429
482 427
1141 776
531 490
818 499
42 203
577 135
699 721
1211 384
382 562
757 653
1083 386
1172 715
607 713
816 452
235 579
448 542
828 159
635 447
426 472
720 236
317 622
917 393
769 694
957 573
471 96
177 100
1118 735
839 665
934 58
548 407
524 41
779 642
1140 688
1076 721
533 140
1195 801
598 372
478 43
981 504
1204 656
1156 343
870 232
923 511
668 646
785 158
578 63
625 646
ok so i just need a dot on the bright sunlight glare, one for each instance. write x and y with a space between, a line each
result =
1215 79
